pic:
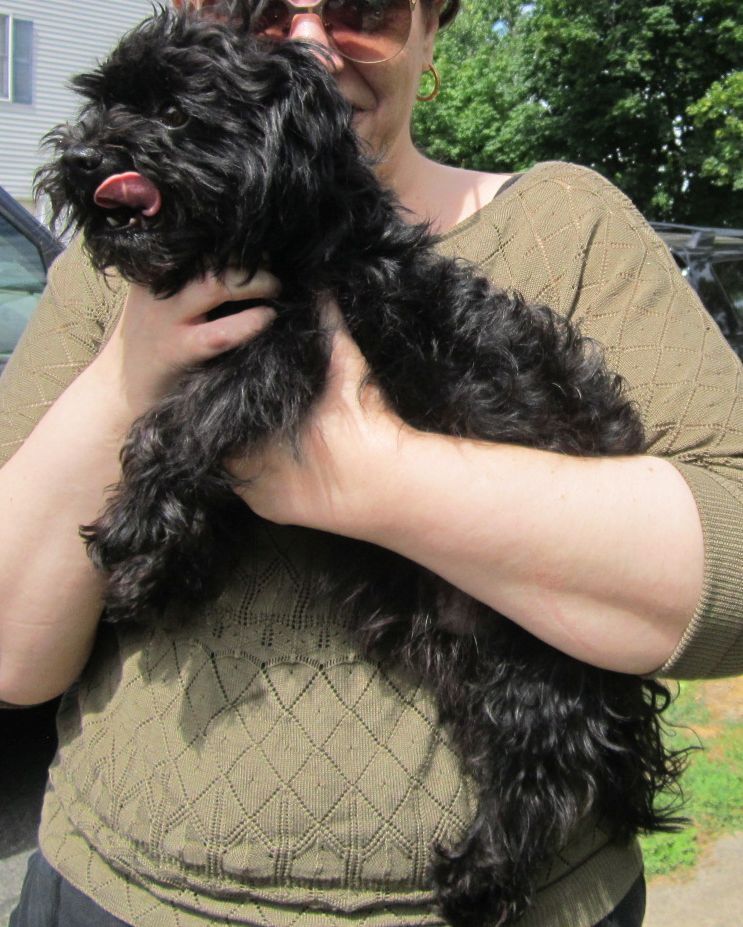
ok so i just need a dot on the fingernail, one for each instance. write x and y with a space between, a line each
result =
235 277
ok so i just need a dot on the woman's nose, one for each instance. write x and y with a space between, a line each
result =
308 27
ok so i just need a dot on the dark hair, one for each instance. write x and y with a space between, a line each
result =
448 11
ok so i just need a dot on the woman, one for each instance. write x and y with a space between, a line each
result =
249 766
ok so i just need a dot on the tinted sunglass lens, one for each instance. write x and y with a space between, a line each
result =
368 31
272 20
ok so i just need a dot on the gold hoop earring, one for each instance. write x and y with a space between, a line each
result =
427 97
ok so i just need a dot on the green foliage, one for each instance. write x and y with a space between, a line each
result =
715 786
481 119
664 853
647 92
721 108
688 708
618 77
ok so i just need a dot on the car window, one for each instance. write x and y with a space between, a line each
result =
22 278
730 275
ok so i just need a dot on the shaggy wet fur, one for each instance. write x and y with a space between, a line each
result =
251 148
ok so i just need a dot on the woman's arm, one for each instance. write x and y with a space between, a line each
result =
50 595
603 558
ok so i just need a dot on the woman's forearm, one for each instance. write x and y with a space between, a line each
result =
51 593
603 558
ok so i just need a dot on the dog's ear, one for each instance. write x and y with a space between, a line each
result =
310 121
297 156
316 109
88 85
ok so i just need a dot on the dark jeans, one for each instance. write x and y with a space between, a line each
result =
48 900
630 912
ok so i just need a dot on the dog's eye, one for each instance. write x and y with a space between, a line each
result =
173 117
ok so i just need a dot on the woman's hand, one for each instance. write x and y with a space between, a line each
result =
155 339
347 452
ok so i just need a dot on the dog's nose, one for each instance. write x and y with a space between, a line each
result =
82 158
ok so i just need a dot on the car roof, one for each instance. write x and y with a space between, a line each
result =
696 243
30 227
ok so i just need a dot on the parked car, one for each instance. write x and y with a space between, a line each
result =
712 261
27 248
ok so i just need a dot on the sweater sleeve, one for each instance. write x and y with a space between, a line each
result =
603 265
75 315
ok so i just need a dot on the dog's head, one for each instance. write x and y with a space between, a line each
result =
198 146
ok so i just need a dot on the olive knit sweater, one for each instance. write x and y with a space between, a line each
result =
244 764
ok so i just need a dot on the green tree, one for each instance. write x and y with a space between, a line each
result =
644 91
483 117
618 78
721 109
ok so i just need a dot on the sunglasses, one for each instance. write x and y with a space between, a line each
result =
365 31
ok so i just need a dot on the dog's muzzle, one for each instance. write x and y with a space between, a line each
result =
103 181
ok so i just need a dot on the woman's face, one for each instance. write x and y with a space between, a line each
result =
382 95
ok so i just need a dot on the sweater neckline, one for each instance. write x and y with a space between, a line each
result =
505 192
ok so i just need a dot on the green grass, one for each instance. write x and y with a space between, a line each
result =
712 784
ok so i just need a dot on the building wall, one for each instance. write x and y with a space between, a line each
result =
69 36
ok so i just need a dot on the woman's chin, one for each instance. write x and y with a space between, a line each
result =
361 117
363 125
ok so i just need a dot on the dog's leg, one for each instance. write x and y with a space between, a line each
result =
157 534
165 532
554 745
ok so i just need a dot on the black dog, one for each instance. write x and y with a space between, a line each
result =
200 147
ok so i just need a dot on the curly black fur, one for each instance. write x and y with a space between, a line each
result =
252 149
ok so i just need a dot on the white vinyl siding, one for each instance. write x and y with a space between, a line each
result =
62 38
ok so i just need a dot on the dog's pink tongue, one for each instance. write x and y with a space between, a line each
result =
129 189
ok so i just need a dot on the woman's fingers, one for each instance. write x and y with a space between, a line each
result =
196 300
231 329
348 436
182 321
157 338
348 365
262 285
